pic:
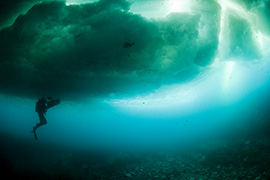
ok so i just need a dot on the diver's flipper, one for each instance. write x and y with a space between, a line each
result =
35 134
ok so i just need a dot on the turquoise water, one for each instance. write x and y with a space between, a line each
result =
83 141
148 90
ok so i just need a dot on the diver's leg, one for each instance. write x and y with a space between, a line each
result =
42 120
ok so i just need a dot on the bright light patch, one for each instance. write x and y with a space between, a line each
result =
263 43
223 45
74 2
224 83
229 8
175 5
160 8
228 5
168 101
179 6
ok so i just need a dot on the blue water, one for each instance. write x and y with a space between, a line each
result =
171 116
188 99
203 124
95 137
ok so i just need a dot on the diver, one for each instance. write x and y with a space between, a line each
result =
42 105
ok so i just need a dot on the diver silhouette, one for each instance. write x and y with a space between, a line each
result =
42 105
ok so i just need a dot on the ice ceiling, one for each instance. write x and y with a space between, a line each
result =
185 51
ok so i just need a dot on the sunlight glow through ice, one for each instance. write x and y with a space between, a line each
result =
228 70
225 83
160 9
179 6
74 2
126 119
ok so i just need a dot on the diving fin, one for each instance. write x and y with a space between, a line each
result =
35 134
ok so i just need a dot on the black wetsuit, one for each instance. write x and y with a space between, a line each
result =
42 105
41 109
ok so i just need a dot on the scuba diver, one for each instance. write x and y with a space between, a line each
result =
42 105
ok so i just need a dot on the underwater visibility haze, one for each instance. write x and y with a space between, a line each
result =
148 89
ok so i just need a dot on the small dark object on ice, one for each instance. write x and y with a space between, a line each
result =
128 45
